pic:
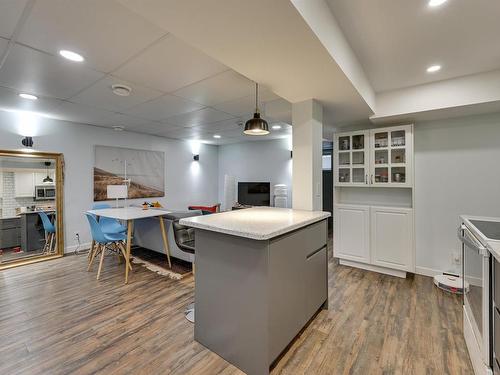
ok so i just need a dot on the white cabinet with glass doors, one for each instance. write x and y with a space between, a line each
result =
351 158
376 157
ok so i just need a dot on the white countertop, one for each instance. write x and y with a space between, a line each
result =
258 223
128 213
492 245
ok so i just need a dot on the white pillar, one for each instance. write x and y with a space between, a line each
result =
307 174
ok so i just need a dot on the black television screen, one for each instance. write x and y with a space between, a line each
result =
254 193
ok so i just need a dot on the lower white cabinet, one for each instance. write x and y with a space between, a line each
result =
392 237
352 232
376 236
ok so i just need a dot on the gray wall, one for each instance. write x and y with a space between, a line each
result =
187 182
257 161
457 171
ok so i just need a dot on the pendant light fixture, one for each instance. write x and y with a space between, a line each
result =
256 125
47 180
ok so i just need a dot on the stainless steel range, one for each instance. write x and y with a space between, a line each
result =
477 236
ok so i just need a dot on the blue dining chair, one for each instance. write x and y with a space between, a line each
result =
50 234
108 224
105 241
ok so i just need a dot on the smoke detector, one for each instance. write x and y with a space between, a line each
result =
118 128
121 90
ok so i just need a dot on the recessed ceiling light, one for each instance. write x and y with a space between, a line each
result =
118 128
28 96
433 68
70 55
436 3
216 136
276 127
121 90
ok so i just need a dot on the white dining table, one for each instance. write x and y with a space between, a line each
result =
130 214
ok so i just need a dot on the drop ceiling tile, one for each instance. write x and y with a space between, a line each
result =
10 100
196 118
164 107
279 110
83 114
10 12
129 122
105 32
3 45
155 127
169 65
220 125
27 70
218 89
100 95
246 104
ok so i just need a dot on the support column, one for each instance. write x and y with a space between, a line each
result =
307 147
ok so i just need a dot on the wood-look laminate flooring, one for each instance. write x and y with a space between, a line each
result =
55 318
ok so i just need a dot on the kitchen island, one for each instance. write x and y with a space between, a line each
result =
261 275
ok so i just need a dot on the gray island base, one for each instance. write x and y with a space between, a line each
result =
253 296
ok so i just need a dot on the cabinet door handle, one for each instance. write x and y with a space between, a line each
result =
371 178
366 178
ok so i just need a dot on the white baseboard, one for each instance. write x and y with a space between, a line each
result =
427 271
369 267
71 249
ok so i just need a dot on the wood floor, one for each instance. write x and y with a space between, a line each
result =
55 318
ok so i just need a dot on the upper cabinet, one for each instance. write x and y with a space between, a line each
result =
376 157
351 158
24 184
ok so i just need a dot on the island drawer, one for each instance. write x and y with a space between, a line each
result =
496 282
10 223
316 280
496 332
316 237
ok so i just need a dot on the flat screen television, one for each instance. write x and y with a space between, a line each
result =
254 193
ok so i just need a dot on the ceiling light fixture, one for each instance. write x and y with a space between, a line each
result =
70 55
121 90
28 96
433 68
216 136
256 125
436 3
118 128
276 127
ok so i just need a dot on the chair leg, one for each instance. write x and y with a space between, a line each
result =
44 250
94 250
51 236
103 248
89 255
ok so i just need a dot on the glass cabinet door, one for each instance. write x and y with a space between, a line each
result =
352 158
390 152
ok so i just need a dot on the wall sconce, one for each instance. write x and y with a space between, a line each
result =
196 157
27 142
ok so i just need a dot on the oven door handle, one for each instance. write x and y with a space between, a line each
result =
474 244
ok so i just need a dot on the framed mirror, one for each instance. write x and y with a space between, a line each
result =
31 207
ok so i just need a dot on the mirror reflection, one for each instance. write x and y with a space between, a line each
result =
27 208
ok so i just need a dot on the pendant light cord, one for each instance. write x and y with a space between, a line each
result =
256 97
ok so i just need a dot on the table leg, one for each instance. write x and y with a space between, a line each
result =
165 241
130 225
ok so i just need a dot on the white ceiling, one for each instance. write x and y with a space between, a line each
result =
177 90
396 40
